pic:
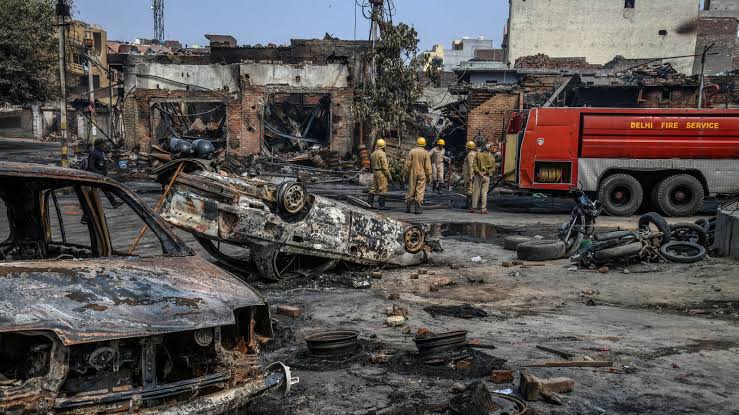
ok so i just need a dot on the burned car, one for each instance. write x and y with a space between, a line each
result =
90 323
271 224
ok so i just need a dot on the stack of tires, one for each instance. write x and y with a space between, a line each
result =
622 194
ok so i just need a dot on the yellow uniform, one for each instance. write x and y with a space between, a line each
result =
381 172
437 164
418 164
483 168
467 171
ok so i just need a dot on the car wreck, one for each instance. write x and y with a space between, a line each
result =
89 327
277 227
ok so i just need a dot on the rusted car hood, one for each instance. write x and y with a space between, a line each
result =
104 299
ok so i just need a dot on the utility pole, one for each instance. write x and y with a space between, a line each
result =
62 11
377 16
89 44
703 69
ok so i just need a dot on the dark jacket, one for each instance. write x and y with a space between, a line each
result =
96 162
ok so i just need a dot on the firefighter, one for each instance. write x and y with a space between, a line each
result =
469 162
483 168
380 175
438 157
418 165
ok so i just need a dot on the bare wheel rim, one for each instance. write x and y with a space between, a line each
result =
294 198
413 239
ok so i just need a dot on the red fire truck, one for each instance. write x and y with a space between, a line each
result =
665 159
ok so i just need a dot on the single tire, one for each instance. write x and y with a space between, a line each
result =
543 250
621 194
607 236
688 232
511 243
680 195
652 218
621 251
683 252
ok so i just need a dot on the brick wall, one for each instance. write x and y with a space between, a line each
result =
487 113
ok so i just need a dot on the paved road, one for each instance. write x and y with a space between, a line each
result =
29 151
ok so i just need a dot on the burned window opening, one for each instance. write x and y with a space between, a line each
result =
23 356
189 120
629 4
294 122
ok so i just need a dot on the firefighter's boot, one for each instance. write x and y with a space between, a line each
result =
408 207
371 200
419 208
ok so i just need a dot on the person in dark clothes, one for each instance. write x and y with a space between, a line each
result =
97 163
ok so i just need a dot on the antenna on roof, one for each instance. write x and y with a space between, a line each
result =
158 7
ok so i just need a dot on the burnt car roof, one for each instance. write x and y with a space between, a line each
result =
33 170
112 298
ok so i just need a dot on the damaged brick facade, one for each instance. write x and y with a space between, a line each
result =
487 112
245 85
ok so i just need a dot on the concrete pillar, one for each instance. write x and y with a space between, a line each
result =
38 122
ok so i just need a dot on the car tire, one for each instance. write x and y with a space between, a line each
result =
680 195
543 250
511 243
621 194
653 218
621 251
688 232
682 252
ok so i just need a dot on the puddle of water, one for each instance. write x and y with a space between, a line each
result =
475 232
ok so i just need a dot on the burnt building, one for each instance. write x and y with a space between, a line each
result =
248 99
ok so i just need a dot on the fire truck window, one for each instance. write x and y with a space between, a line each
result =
629 4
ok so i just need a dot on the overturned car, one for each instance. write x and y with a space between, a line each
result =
91 323
272 225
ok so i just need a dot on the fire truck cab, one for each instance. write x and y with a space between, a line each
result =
665 159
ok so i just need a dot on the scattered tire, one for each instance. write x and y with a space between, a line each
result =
689 232
680 195
621 194
607 236
647 220
621 251
543 250
510 243
683 252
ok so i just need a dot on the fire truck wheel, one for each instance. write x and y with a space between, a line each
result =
621 194
680 195
543 250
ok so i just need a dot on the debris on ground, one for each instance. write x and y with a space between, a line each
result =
288 310
465 311
533 388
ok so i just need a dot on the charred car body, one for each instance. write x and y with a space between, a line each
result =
90 328
282 226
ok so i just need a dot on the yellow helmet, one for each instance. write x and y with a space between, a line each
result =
380 143
440 142
421 142
470 145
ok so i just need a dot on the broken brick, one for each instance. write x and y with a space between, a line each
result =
414 275
533 388
393 296
288 310
463 364
501 376
423 331
377 275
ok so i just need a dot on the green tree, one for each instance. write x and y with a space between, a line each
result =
28 64
397 88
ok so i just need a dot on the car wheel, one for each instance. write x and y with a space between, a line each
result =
414 239
682 252
653 221
511 243
544 250
292 197
680 195
622 251
689 232
621 194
